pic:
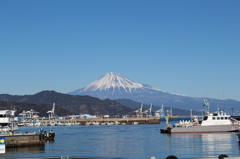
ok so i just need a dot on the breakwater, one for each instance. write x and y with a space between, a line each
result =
116 121
23 140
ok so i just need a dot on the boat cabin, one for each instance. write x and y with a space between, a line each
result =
216 119
8 120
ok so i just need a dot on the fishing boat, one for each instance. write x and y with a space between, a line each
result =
48 136
210 123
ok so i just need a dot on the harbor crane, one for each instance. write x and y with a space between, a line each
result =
51 112
160 113
149 111
31 113
139 111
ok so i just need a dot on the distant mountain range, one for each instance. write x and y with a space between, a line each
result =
115 86
74 104
114 94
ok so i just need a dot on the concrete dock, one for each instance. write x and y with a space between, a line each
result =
23 140
128 121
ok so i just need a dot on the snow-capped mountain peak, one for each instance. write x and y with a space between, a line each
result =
113 81
114 86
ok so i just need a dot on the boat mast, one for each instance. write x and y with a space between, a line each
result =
207 105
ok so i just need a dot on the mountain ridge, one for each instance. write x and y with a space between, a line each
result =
74 103
114 86
147 94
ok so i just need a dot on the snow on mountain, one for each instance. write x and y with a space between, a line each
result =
115 86
113 80
114 83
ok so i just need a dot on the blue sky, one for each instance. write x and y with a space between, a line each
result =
186 47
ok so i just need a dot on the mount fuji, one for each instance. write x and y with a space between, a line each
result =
114 86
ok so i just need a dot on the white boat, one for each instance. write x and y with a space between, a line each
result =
67 124
57 123
96 123
8 121
38 123
116 123
210 123
21 124
75 123
103 123
109 123
88 123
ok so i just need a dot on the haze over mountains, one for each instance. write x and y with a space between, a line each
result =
115 86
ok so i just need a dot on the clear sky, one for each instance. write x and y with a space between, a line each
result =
186 47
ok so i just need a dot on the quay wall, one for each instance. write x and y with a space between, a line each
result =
23 140
121 120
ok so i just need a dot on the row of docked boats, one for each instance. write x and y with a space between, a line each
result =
9 126
70 123
210 123
108 123
48 123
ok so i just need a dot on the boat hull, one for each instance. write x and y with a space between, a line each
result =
203 129
49 136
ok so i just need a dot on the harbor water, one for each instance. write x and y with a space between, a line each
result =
127 142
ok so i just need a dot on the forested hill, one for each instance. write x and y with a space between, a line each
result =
74 104
41 108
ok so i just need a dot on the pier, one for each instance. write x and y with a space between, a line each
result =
23 140
120 121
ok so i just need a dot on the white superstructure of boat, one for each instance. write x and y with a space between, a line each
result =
211 122
8 121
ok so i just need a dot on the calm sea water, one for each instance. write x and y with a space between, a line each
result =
128 142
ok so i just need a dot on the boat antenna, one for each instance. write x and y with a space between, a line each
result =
207 105
224 106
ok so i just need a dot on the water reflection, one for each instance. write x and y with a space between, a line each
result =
32 149
130 141
217 142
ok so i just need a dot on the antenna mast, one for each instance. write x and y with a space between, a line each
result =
207 105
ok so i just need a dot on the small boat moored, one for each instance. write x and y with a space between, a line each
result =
47 136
